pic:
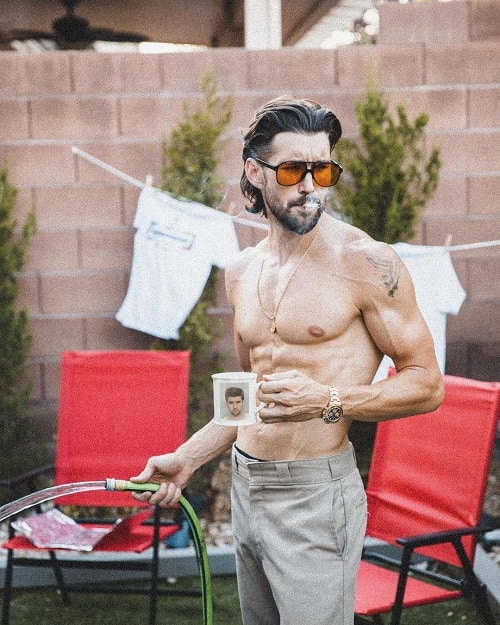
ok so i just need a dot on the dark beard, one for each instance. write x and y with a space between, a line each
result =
295 224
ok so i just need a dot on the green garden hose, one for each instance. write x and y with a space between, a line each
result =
198 539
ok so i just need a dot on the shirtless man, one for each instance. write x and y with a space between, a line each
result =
316 305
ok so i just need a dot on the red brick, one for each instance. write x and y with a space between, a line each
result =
76 118
450 198
28 298
51 379
82 293
484 284
149 116
24 204
473 63
483 195
447 109
130 198
484 19
107 249
423 23
52 250
38 164
78 207
26 74
483 107
230 66
34 375
391 65
181 73
14 116
291 70
477 321
343 103
463 231
52 336
107 333
123 73
136 159
468 151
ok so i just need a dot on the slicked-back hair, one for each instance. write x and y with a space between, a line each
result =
283 114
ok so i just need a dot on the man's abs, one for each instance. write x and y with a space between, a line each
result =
293 441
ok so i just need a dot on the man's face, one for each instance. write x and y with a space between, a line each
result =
235 405
298 207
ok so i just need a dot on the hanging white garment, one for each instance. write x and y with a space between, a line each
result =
175 246
438 292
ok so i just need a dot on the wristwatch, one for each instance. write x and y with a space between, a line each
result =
332 412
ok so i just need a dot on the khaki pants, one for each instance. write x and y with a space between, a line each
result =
298 528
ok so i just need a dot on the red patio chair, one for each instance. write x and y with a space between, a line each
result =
116 409
425 493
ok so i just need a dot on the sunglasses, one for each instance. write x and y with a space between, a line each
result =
324 173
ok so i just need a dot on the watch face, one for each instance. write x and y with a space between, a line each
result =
334 413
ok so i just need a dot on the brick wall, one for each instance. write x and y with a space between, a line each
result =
118 107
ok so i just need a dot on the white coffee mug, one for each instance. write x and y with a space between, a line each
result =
235 398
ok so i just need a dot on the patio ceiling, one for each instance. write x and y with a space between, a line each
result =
199 22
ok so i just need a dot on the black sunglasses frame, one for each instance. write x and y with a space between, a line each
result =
307 170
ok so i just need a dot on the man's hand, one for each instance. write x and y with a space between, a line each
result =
291 396
170 472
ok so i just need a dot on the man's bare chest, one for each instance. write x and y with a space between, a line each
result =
307 309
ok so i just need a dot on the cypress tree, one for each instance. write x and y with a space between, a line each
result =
16 430
387 178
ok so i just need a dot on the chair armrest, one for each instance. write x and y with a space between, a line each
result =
435 538
16 483
26 477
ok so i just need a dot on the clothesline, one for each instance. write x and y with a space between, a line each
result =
246 222
141 185
471 246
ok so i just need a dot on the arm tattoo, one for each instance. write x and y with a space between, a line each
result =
390 271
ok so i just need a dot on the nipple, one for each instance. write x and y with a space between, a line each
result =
316 331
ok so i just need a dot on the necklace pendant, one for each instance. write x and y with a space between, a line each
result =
273 326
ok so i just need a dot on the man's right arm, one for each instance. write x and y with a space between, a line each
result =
172 471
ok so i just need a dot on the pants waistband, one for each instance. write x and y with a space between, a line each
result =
315 470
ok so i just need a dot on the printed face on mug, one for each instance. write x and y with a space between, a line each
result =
235 398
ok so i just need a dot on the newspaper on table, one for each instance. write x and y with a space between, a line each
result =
55 530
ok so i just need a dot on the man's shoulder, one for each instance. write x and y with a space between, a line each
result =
363 259
242 259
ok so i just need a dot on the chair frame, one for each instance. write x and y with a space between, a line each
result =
32 481
401 556
153 591
58 566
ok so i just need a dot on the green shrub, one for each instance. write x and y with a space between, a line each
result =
190 172
387 179
16 428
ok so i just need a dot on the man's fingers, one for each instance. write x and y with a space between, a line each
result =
168 494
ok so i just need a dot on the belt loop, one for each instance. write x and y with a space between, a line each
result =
283 471
332 473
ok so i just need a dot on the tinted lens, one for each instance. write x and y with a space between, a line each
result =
290 172
326 174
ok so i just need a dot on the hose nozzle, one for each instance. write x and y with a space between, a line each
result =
112 484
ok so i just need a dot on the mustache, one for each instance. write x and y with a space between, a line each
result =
308 199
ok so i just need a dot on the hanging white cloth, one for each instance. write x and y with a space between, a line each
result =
438 292
175 245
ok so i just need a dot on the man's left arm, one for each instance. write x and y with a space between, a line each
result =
397 327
